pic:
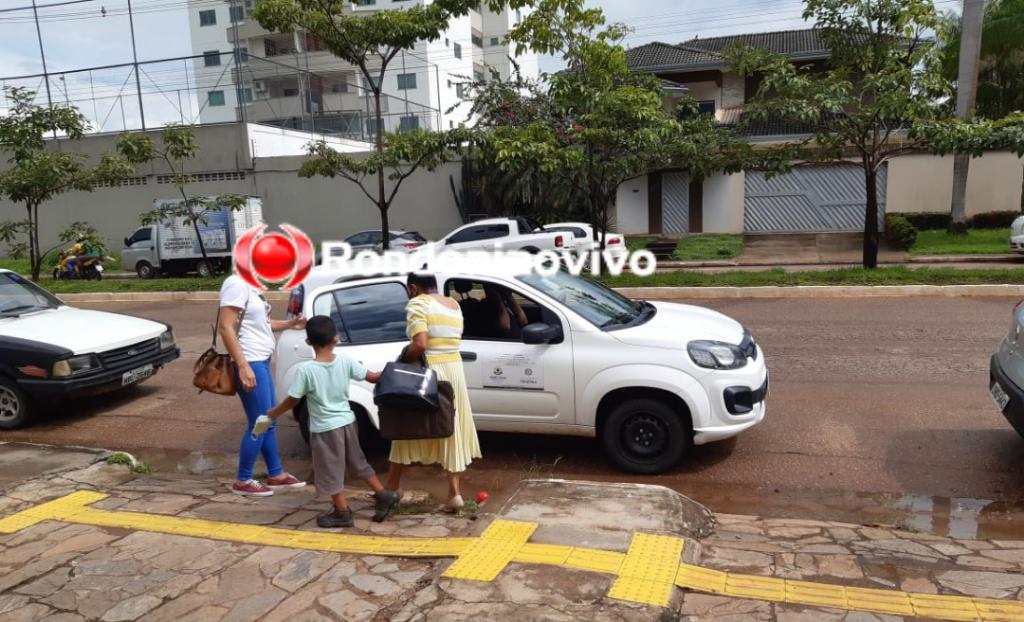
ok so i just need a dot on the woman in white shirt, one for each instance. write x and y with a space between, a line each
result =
247 331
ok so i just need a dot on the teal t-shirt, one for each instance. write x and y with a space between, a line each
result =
325 387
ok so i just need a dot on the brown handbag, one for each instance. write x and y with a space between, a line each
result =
214 372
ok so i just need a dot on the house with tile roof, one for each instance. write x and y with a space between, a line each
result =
816 199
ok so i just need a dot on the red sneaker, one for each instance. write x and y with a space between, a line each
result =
284 482
251 488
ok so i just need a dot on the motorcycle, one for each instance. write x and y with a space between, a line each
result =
87 267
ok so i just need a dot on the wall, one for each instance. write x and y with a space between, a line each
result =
631 207
266 142
723 203
733 90
924 183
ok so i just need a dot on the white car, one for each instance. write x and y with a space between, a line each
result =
1017 235
648 379
585 239
508 234
49 350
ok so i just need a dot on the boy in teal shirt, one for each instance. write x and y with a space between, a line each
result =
324 382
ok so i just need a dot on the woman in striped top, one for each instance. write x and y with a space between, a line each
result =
434 326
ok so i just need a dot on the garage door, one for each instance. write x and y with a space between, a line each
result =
675 202
810 199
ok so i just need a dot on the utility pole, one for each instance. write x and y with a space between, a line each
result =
42 55
971 22
135 61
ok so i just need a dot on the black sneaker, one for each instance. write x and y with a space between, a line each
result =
335 518
386 501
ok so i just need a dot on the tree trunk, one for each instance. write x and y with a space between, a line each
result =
34 260
1022 194
871 218
967 87
199 236
382 201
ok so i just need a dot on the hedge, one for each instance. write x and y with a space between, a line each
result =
900 231
941 220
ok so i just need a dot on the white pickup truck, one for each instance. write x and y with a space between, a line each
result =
506 234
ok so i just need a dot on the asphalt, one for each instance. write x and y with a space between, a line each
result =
878 409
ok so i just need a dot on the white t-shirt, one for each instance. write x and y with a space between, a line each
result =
255 335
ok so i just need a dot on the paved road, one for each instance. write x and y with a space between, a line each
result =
876 405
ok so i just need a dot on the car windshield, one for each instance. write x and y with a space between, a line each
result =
598 304
19 295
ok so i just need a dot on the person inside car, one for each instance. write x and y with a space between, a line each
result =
505 317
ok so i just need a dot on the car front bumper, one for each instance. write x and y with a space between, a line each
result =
725 421
99 382
1014 411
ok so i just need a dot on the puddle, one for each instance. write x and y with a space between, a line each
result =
964 518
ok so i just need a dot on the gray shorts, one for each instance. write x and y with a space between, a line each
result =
332 452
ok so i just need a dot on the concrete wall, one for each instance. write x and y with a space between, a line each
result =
631 207
723 203
924 183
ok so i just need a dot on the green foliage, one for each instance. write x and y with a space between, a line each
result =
178 147
973 242
135 465
899 275
901 233
37 174
993 220
925 220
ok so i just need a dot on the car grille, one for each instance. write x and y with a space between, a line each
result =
129 356
748 347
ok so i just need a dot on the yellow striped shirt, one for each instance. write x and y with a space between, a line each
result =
443 326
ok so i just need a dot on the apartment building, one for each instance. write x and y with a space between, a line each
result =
290 80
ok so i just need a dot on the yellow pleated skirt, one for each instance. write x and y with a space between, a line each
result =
456 452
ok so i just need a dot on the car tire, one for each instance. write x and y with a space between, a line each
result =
14 405
369 436
205 269
646 436
145 270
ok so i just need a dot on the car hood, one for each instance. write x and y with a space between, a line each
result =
81 330
674 325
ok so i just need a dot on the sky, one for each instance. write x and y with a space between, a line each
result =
96 33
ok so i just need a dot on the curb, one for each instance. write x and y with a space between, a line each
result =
663 293
1007 259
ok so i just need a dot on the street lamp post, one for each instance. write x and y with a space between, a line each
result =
135 61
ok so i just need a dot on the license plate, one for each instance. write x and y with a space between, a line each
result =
999 396
137 374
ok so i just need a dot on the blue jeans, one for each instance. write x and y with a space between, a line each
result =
257 402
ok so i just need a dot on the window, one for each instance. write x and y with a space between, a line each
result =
211 58
215 98
457 50
247 95
241 55
367 83
290 92
208 18
519 15
479 232
590 299
406 81
706 107
18 295
408 124
372 125
367 313
495 74
144 234
237 14
461 91
577 232
494 312
478 75
495 41
365 2
339 87
358 239
477 40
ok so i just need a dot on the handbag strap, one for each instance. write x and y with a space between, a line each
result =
238 325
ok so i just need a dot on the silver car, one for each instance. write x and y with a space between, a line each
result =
371 240
1006 373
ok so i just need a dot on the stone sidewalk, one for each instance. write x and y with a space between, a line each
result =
64 572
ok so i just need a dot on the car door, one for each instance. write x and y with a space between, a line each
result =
510 381
139 247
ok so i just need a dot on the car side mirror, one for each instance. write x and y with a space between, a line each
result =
127 242
540 332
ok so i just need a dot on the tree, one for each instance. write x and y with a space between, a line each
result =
39 173
966 91
596 124
1001 69
178 148
883 77
370 41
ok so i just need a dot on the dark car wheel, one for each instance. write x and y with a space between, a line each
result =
14 405
145 270
205 269
646 436
302 417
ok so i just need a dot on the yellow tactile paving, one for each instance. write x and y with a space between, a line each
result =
648 572
645 574
485 558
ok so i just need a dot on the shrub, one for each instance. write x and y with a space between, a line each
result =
926 220
992 220
901 233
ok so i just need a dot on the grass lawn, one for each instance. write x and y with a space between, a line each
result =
709 246
133 285
15 265
976 242
847 276
638 242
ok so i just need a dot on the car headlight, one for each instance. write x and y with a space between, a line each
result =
167 340
75 365
716 355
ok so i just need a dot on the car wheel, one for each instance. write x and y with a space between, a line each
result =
14 406
531 249
645 436
302 417
369 436
145 270
205 269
